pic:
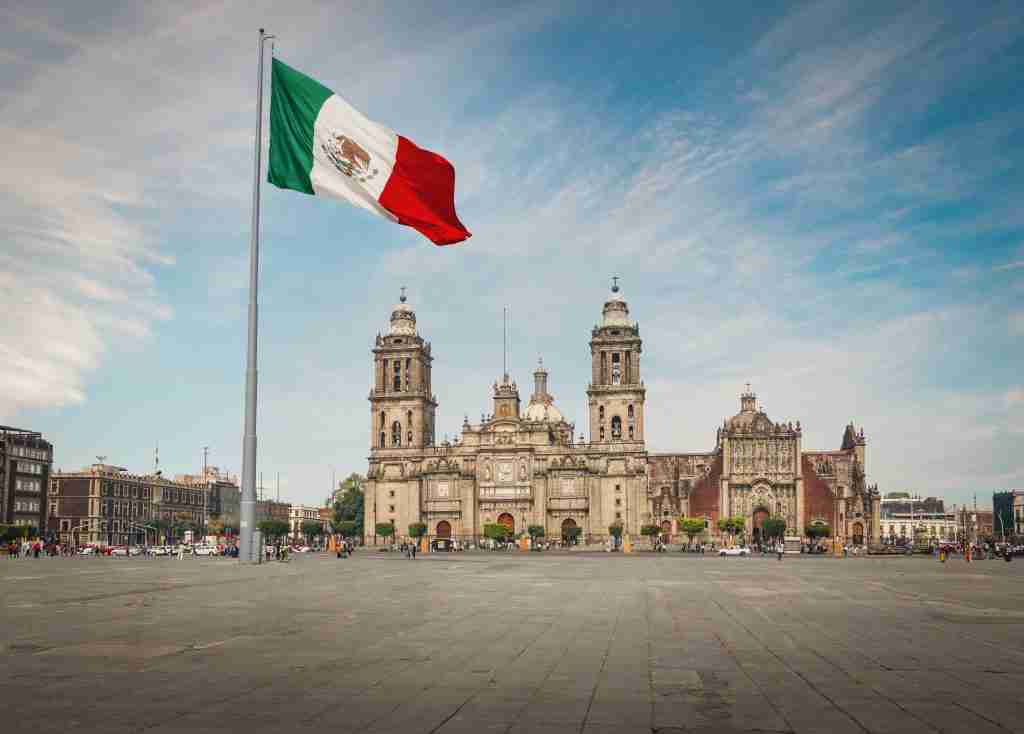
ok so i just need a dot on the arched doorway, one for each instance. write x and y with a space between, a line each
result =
569 531
757 530
858 533
444 529
508 521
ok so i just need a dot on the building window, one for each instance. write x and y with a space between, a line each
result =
616 368
391 493
618 502
383 442
396 434
397 380
631 432
618 515
391 508
383 421
600 413
618 487
629 412
408 371
602 433
616 427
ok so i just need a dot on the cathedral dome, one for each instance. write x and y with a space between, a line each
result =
542 413
542 404
749 419
403 318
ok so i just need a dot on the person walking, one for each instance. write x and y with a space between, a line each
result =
181 553
412 546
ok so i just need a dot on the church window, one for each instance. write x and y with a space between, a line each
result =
398 375
391 508
383 443
384 374
383 421
600 413
618 502
616 368
408 439
629 412
616 427
631 431
408 371
618 515
396 434
602 433
618 487
391 493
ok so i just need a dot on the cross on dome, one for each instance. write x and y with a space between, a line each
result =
402 297
615 284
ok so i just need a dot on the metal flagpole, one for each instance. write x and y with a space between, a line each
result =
247 519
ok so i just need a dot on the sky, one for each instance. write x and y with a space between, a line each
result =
819 198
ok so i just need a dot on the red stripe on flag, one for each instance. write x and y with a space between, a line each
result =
421 194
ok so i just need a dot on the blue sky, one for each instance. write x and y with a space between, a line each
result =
819 198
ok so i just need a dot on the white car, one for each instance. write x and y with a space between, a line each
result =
87 551
160 550
734 552
205 550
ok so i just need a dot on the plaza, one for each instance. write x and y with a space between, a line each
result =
513 642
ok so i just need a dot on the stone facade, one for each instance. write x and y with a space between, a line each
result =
525 467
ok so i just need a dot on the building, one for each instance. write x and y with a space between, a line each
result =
975 525
902 513
224 496
272 510
107 505
522 465
25 463
1018 511
298 514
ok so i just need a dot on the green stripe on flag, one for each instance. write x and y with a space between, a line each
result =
295 102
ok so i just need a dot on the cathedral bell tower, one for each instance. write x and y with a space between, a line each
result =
402 406
616 394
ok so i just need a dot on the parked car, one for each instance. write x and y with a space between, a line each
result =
205 550
160 550
734 552
87 551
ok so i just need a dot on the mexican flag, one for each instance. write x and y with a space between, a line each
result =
321 145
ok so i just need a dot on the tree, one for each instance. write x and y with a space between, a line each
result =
650 530
536 531
615 530
348 529
571 533
385 529
312 529
496 531
273 529
417 529
350 501
818 530
774 527
692 527
732 525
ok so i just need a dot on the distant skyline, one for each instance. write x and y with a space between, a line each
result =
819 199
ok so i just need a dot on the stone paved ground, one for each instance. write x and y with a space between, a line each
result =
513 643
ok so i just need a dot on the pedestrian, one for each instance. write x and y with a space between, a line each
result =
779 549
413 546
181 553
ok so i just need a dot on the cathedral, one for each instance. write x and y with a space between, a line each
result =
523 465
